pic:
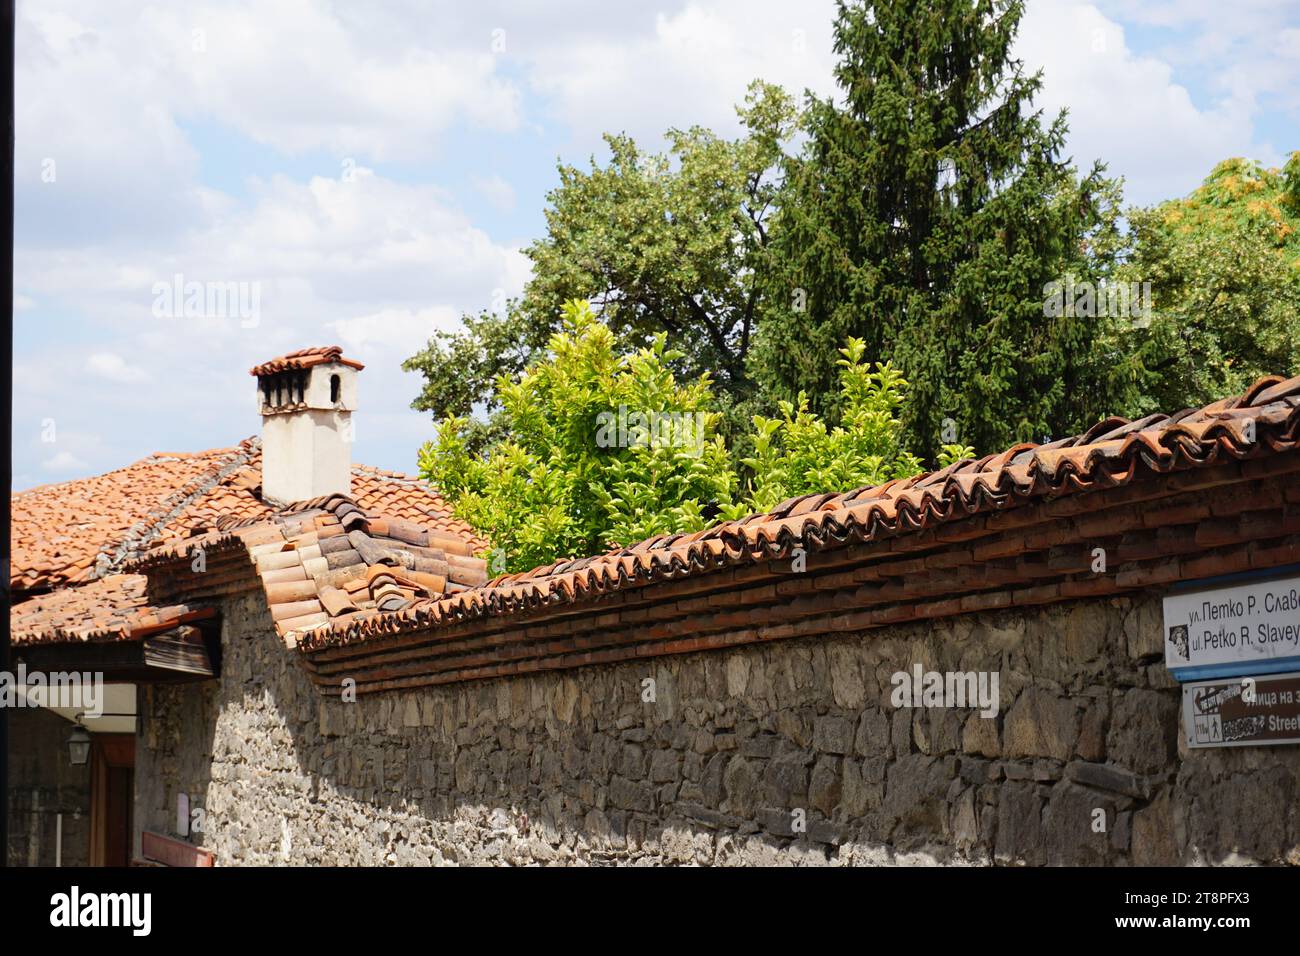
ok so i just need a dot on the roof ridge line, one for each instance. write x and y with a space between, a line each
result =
151 457
400 477
151 525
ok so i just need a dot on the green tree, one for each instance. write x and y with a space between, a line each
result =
1224 269
672 243
460 368
798 454
575 471
925 215
594 449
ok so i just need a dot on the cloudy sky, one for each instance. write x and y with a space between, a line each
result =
370 171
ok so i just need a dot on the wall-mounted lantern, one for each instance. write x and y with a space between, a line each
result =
79 744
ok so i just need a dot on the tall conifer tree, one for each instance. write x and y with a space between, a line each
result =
926 213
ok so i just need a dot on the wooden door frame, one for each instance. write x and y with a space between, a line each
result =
108 751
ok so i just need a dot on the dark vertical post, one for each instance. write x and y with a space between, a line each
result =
6 430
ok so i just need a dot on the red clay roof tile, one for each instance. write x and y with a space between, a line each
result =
113 607
308 586
305 358
79 530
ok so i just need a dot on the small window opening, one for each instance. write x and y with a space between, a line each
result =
335 385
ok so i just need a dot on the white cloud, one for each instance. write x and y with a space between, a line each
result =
114 368
1125 108
371 264
321 250
690 66
64 461
295 74
403 331
1247 51
499 193
97 146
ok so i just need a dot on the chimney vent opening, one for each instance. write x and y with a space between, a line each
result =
286 390
335 386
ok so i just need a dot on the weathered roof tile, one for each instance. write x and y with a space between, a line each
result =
115 607
1110 454
79 530
305 358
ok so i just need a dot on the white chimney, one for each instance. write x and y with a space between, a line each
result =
306 399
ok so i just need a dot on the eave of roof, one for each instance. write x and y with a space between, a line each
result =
112 608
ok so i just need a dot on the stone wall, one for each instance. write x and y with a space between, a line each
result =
787 752
43 783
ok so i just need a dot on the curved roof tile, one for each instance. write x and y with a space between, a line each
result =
77 531
305 358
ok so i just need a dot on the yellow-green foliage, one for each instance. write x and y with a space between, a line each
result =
1224 268
575 474
797 454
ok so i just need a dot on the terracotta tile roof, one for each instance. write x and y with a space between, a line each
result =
402 496
1264 421
328 561
79 530
113 607
305 358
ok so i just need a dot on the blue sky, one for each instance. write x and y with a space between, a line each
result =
374 171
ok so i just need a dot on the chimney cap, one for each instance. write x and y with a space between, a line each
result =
305 358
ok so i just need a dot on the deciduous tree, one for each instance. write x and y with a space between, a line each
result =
1224 269
671 244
